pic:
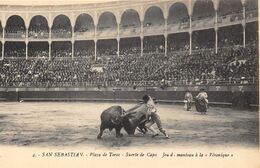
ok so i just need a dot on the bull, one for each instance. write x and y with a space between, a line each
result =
116 117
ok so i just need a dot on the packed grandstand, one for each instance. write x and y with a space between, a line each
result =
151 43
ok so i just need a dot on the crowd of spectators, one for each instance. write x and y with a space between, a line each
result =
106 48
61 33
17 53
38 32
15 32
61 53
84 52
38 54
154 44
231 65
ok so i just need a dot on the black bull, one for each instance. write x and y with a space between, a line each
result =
116 117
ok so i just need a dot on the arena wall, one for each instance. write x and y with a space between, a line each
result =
237 96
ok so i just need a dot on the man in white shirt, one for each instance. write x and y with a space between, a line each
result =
155 118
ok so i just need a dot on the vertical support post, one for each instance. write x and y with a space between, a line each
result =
142 45
165 45
72 48
49 49
118 39
190 32
244 14
3 43
3 49
142 37
216 31
190 42
244 36
216 40
244 26
95 40
26 40
118 46
165 36
26 48
72 42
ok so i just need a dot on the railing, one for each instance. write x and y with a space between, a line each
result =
166 83
231 18
109 32
86 34
61 35
154 29
130 31
38 35
252 15
15 35
178 26
202 23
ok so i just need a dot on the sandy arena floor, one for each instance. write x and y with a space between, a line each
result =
61 124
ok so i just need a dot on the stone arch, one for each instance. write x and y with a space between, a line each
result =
61 27
178 12
38 27
83 23
251 5
203 9
227 7
130 18
15 27
153 16
107 20
185 2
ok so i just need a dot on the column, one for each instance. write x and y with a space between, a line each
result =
72 41
49 49
26 49
49 33
165 45
244 26
49 41
244 14
142 37
3 49
216 31
118 46
26 33
26 41
72 48
95 40
118 39
3 43
190 42
190 32
216 40
190 21
165 36
142 45
244 36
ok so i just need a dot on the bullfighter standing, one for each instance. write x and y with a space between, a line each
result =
155 118
201 102
188 100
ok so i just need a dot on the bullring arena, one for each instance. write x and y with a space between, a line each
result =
62 65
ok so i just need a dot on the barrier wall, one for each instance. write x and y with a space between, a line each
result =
232 95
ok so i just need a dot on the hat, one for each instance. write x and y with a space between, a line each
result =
146 98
